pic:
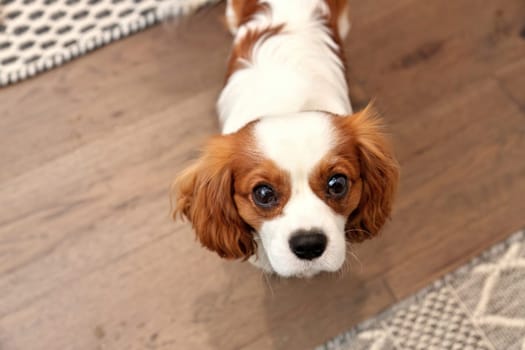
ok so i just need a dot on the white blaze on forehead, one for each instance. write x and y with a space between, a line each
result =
296 142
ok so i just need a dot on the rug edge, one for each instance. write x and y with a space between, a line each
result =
163 12
460 271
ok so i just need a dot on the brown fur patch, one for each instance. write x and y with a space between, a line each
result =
263 171
361 137
215 193
204 194
245 9
337 9
339 161
242 50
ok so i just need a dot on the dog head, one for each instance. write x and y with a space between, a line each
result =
300 185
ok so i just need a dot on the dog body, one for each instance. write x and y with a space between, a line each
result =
293 177
286 59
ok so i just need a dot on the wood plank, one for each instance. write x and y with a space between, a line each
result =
114 87
67 216
468 188
432 49
512 78
171 316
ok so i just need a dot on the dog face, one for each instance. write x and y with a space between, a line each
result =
300 185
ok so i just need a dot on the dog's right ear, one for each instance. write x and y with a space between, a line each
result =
204 196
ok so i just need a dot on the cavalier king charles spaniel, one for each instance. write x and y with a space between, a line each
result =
294 176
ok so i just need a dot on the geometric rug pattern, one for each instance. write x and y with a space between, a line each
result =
481 306
37 35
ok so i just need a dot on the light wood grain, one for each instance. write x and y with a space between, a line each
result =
89 258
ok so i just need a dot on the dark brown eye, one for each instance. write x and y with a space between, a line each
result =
337 186
264 196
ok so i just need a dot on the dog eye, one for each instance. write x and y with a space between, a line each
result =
264 196
337 186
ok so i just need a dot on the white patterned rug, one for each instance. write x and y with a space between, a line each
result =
479 307
36 35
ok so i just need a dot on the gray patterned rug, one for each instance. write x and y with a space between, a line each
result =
37 35
481 306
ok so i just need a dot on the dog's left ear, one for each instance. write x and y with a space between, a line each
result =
379 171
204 194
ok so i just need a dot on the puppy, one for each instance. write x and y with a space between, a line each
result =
294 175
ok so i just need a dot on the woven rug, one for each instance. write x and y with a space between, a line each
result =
36 35
481 306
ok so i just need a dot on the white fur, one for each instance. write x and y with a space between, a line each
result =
231 20
298 153
282 139
296 70
288 75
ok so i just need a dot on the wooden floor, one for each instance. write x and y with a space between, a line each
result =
89 258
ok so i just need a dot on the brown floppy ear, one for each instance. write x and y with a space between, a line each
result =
379 175
204 194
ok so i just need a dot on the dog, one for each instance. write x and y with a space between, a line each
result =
295 176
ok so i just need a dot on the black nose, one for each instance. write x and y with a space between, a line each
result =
308 245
